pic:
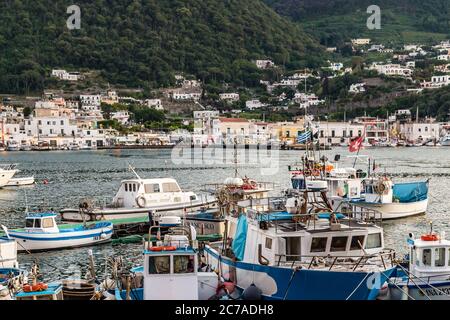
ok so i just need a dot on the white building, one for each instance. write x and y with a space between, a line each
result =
154 103
360 41
392 70
90 99
230 97
186 96
436 82
253 104
420 131
443 57
264 64
206 127
121 116
335 133
64 75
357 88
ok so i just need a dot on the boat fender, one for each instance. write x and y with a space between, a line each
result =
103 235
141 201
252 293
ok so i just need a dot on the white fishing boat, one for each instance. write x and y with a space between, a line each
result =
13 145
445 140
25 147
138 197
74 146
393 201
294 251
170 270
42 233
7 171
427 273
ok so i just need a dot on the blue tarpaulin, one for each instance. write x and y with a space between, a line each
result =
411 191
238 244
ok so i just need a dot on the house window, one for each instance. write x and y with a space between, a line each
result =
268 243
62 122
319 244
288 134
439 257
338 244
321 134
333 133
39 122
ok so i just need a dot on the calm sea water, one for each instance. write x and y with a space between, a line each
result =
76 175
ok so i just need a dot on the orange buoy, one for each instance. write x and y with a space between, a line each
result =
429 237
169 248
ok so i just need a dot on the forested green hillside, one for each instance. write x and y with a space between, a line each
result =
143 43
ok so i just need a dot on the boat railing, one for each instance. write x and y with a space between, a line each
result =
386 259
215 187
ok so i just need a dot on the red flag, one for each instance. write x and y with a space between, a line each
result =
355 144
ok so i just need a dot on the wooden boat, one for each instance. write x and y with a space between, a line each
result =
42 233
78 290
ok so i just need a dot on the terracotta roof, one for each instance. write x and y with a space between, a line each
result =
233 120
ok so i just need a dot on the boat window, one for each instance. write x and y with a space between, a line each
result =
159 265
126 187
426 257
29 223
134 187
439 257
170 187
373 241
338 243
318 244
268 243
357 243
151 188
37 223
47 223
183 264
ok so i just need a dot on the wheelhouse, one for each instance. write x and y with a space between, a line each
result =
41 222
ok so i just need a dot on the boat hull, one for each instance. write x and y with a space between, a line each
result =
120 213
5 176
20 181
29 241
278 283
395 210
439 290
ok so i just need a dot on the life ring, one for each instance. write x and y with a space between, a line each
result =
165 248
429 237
141 201
33 288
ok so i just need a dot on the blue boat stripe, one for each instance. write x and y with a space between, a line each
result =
60 238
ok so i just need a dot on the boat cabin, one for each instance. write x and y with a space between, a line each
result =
41 222
429 256
53 292
151 192
379 191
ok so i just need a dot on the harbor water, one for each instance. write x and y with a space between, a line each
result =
64 178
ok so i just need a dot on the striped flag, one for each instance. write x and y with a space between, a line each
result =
304 137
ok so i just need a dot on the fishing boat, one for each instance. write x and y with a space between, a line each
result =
445 140
393 201
8 253
138 197
13 146
11 279
170 270
300 249
42 233
25 147
426 275
7 171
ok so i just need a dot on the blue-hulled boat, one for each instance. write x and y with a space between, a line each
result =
316 254
42 233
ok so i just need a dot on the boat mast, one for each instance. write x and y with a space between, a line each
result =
132 170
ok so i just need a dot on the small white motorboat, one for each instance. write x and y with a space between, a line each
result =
6 173
25 181
42 233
